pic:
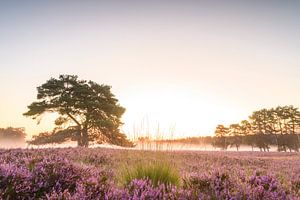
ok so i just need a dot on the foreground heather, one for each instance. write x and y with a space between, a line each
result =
93 174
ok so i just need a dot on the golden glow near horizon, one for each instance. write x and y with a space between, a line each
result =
182 66
173 112
168 112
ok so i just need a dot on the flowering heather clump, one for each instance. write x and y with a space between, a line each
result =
14 182
265 187
144 189
90 174
50 176
216 185
219 185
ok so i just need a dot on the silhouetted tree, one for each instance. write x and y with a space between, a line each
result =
278 126
12 134
288 123
248 136
294 128
221 133
259 125
294 120
235 131
87 112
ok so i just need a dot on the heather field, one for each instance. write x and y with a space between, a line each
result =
101 173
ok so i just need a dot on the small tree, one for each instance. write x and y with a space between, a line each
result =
12 134
260 127
87 112
235 131
221 133
246 130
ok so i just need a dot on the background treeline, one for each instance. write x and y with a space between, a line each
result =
12 134
278 126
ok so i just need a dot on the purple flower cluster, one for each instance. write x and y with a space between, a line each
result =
219 185
265 187
212 185
50 176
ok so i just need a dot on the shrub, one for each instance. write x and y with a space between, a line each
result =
145 190
213 185
156 172
52 177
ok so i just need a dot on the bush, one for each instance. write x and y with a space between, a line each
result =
52 177
157 173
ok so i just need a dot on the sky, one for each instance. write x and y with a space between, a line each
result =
178 67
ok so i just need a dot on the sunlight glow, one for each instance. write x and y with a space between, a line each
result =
175 111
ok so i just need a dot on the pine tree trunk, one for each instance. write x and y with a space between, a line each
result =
79 139
85 139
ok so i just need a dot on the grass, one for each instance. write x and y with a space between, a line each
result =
157 172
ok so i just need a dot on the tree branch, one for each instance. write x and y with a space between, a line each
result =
73 118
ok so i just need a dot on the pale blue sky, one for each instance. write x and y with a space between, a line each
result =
192 64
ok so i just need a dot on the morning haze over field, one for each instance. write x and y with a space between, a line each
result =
150 100
184 66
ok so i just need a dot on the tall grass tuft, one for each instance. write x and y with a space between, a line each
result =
157 172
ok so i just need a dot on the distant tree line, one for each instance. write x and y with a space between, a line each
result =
278 126
12 134
201 140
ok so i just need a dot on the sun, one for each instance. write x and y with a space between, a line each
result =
173 111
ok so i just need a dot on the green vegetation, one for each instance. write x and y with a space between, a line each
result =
90 173
278 126
157 172
88 112
12 134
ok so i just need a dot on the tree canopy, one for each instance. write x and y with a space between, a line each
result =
278 126
88 112
13 134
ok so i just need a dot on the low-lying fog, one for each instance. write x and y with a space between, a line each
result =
153 146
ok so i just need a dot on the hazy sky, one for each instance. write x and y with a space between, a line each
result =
185 65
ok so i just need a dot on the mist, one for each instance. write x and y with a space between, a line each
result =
10 144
